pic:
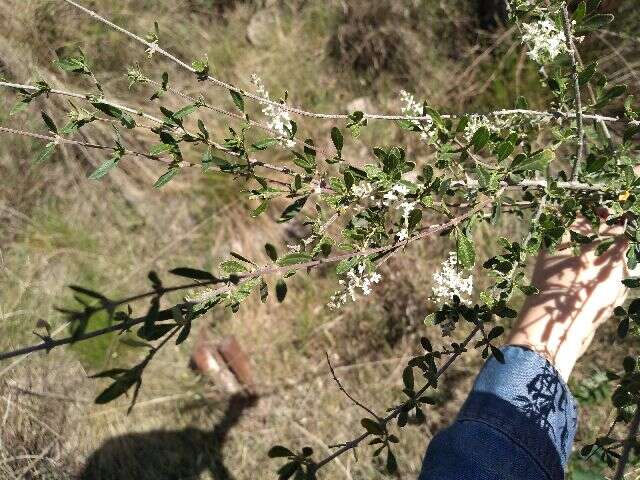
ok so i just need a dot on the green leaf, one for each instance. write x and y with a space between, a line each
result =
465 250
288 469
623 327
184 333
232 266
495 332
604 246
20 106
185 111
271 251
161 148
480 138
45 153
106 167
117 388
292 210
279 451
536 162
88 292
209 159
281 290
499 356
237 99
372 426
505 149
629 364
345 265
166 177
48 121
504 312
203 129
337 139
632 282
521 103
587 73
609 95
407 378
392 463
580 11
265 143
201 67
73 64
111 373
293 259
115 112
415 216
259 209
154 331
594 22
192 273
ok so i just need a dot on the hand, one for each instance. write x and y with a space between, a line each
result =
577 294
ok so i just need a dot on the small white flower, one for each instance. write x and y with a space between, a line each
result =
278 117
388 198
357 279
294 248
362 190
402 235
412 108
153 48
406 208
544 40
400 189
449 281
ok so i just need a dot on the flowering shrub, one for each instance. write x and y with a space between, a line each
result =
547 166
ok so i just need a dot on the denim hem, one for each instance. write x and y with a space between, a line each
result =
531 441
526 399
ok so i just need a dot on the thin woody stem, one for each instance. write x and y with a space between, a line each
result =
302 112
571 47
468 184
266 270
156 120
349 396
628 445
350 445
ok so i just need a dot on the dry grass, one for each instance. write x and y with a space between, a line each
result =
58 228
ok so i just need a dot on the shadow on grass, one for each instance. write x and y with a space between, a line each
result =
169 454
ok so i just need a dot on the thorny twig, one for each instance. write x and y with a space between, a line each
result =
628 444
299 111
49 343
571 46
349 396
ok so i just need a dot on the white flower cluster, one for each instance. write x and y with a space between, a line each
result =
497 123
395 198
544 40
449 281
412 108
363 190
409 104
278 117
526 5
494 124
357 279
392 197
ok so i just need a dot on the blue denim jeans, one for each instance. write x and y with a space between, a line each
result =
518 423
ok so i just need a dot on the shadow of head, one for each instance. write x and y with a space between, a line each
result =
168 454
